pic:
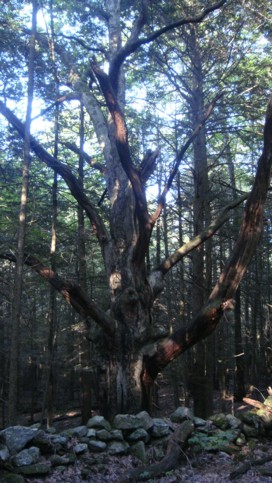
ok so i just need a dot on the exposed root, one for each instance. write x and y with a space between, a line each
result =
173 454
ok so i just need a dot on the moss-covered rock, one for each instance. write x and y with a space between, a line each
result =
36 470
217 441
6 477
138 450
220 420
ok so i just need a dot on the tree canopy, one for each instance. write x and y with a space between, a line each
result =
145 137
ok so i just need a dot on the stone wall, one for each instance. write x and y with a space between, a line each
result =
29 451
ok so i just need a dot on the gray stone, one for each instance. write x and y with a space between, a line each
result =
61 439
91 433
138 450
181 414
99 422
250 418
199 422
36 425
127 421
26 457
4 453
61 468
80 431
234 422
43 442
80 448
139 434
57 460
97 446
84 440
16 437
145 420
130 421
117 435
250 431
104 435
118 448
160 428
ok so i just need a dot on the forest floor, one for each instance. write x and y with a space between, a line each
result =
201 468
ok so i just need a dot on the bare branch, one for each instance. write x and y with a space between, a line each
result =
68 97
117 61
70 291
134 42
214 226
93 164
148 164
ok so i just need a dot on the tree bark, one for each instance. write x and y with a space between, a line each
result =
48 403
239 381
85 369
202 371
18 280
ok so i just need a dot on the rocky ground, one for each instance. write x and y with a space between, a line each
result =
202 468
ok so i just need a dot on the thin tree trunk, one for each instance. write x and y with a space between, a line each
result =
52 312
85 370
17 291
169 287
33 379
239 362
239 378
202 379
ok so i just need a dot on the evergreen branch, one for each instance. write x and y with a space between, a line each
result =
221 296
64 171
180 155
252 225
